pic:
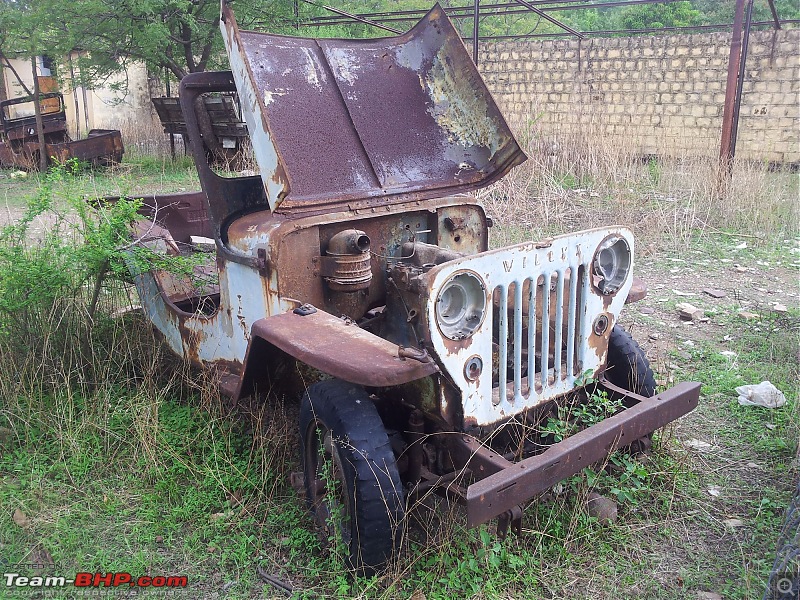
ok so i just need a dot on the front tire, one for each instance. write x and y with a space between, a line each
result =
627 366
351 479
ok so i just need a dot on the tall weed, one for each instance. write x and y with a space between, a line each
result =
68 350
574 180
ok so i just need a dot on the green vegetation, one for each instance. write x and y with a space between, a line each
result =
138 174
168 36
519 22
572 417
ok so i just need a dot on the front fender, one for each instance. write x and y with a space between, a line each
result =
334 346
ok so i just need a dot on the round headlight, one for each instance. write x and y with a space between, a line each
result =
461 305
612 264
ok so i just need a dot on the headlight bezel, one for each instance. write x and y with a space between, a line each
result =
464 301
612 265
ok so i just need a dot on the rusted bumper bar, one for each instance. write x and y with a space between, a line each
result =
521 481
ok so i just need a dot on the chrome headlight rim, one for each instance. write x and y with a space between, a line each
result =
460 305
612 264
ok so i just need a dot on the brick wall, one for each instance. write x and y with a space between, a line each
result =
663 94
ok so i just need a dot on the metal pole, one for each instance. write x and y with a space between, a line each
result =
544 15
740 82
725 158
774 14
475 23
356 18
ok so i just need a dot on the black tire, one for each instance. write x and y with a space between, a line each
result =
351 479
627 365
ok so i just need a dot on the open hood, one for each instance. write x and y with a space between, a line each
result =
366 123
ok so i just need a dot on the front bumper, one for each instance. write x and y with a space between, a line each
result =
503 485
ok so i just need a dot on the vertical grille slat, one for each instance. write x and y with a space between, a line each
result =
532 335
518 285
573 298
545 327
503 341
580 343
559 325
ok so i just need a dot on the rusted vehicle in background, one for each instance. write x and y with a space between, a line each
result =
356 267
222 131
19 139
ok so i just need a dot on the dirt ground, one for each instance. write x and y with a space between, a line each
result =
744 282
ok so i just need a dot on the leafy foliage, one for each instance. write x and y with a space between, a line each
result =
39 271
180 36
657 16
573 417
58 263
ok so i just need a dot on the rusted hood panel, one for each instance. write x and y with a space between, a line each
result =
340 348
368 122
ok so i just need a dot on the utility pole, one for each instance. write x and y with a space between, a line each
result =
726 148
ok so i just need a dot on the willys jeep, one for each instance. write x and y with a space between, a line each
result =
357 265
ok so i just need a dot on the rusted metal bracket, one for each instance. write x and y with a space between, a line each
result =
404 352
262 262
466 451
510 520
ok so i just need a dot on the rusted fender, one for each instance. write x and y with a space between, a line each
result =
331 345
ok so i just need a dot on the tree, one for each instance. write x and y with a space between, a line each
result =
181 36
656 16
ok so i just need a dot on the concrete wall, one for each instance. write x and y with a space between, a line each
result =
661 94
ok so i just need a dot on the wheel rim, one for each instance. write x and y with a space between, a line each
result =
327 490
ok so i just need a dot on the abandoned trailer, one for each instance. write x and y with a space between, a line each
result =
354 271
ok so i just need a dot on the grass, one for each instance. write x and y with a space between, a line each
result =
590 179
135 464
137 174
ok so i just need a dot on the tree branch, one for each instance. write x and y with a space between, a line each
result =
186 34
7 63
201 66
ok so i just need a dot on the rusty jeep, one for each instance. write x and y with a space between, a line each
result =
355 267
